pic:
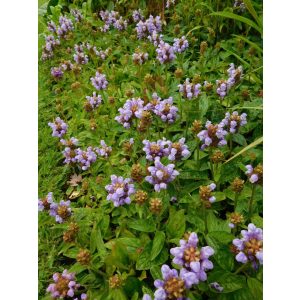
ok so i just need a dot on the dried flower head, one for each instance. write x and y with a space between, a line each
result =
140 197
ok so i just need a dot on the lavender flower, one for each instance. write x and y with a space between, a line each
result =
149 26
173 286
61 211
178 150
192 258
104 28
137 16
99 81
180 45
92 102
240 5
64 285
57 72
67 65
166 110
139 58
44 203
120 24
77 15
132 108
50 45
72 142
169 3
250 246
119 190
161 175
85 158
165 52
152 104
59 127
147 297
104 151
66 25
69 155
222 88
51 26
206 196
80 58
234 75
213 136
156 149
141 29
234 121
189 90
155 38
255 175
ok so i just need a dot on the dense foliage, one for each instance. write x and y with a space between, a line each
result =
150 150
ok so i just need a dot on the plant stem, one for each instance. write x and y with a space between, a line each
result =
205 218
230 144
236 196
241 268
251 201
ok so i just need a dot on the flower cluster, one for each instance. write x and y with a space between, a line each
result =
65 27
104 150
44 203
180 45
161 175
51 26
169 3
149 26
255 175
137 16
85 158
213 136
165 52
57 72
132 108
77 15
189 90
195 260
64 286
233 121
206 196
59 127
119 190
93 50
80 57
250 246
69 152
156 149
92 102
99 81
166 110
223 86
50 44
235 219
139 58
61 211
155 38
112 18
240 5
178 150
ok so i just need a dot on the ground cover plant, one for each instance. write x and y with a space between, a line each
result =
150 150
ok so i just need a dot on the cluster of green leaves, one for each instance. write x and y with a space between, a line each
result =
130 240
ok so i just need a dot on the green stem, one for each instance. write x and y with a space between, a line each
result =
236 196
205 218
251 201
241 268
230 144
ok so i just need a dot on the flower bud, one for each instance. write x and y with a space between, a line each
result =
155 205
137 173
141 197
237 185
84 257
115 281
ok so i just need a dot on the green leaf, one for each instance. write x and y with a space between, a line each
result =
252 44
256 288
216 224
158 243
230 282
257 221
176 224
156 272
252 11
142 225
230 15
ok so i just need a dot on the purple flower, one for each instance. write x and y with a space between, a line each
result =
255 175
213 136
180 45
72 142
165 52
189 90
137 16
51 26
250 246
61 211
57 72
93 101
119 190
104 150
77 15
192 258
233 121
44 203
66 25
156 149
240 5
64 285
139 58
67 65
234 75
166 110
132 108
59 127
155 38
69 155
178 150
120 24
169 3
216 286
141 29
161 175
222 88
81 58
152 104
173 286
85 158
50 45
147 297
99 81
